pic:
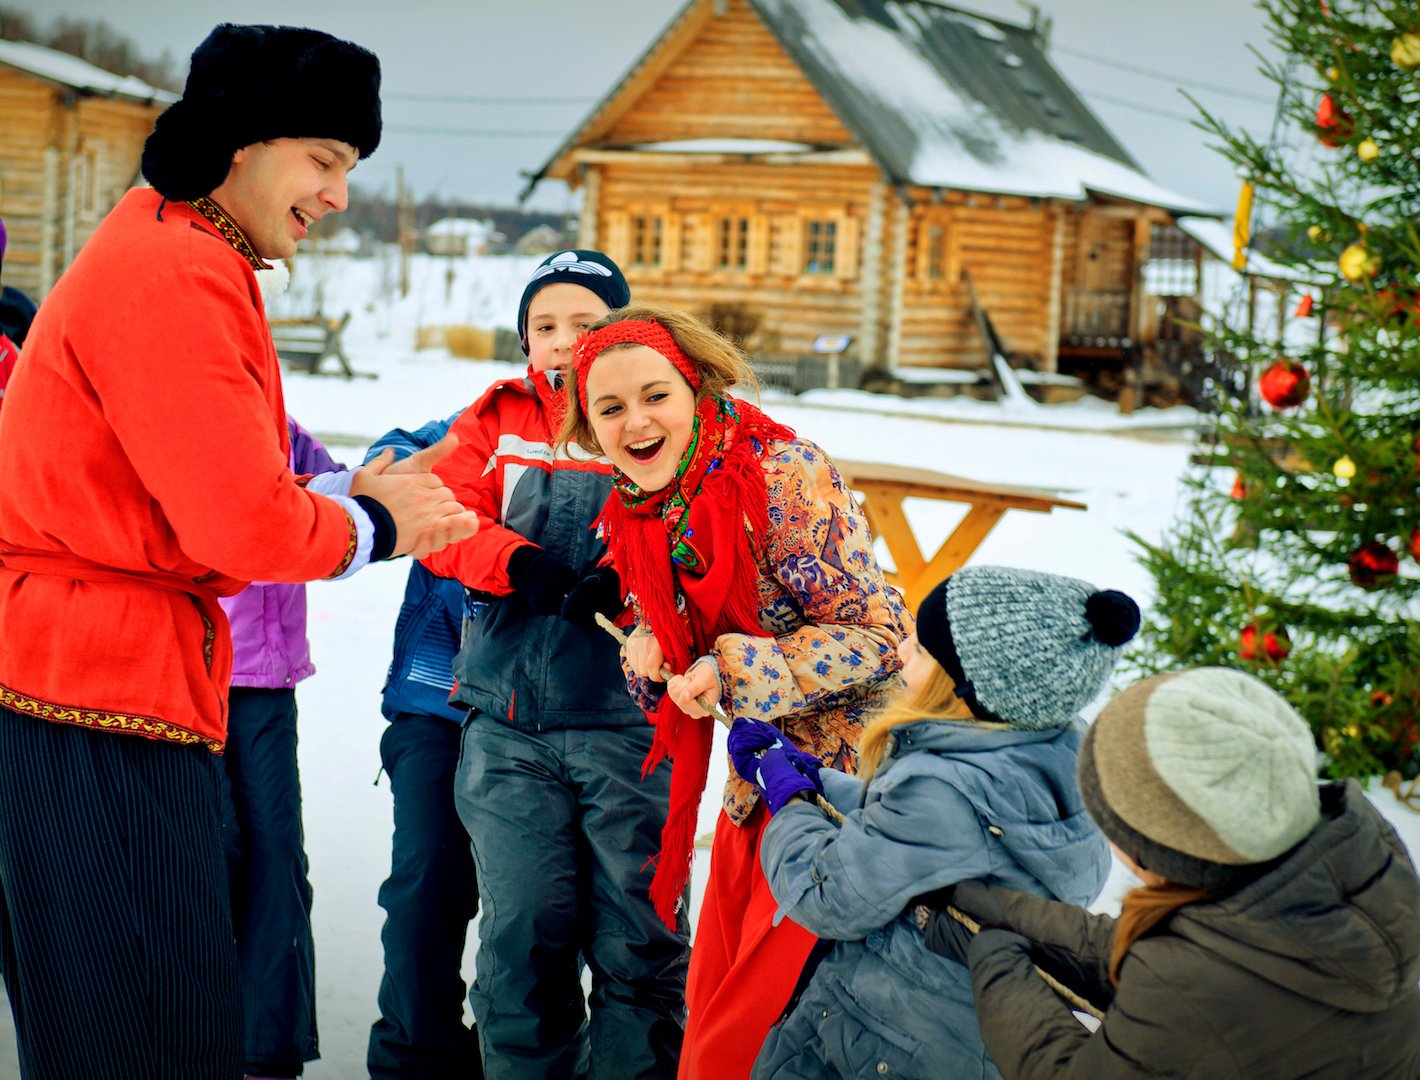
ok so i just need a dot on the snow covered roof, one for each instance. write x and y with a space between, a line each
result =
1217 238
940 97
66 70
459 227
944 98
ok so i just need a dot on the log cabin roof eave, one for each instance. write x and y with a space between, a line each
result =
558 166
69 89
158 98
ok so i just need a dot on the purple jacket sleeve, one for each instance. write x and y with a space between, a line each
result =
308 456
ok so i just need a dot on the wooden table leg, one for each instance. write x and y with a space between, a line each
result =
955 550
888 521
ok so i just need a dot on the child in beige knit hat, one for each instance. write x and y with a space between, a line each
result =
1275 933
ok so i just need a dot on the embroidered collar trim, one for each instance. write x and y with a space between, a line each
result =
230 231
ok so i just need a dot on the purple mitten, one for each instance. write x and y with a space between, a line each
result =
767 758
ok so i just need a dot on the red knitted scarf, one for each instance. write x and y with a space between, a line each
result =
688 554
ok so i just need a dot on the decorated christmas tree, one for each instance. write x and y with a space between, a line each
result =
1296 559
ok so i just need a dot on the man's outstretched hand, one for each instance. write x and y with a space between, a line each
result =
426 515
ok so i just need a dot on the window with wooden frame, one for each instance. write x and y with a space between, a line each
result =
645 240
820 246
732 243
1173 262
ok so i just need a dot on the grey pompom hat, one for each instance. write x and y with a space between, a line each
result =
1025 648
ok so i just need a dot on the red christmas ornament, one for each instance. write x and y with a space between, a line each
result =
1335 125
1373 566
1415 543
1380 699
1239 488
1285 384
1305 307
1399 307
1275 643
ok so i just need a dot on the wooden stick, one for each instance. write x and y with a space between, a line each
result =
709 705
705 701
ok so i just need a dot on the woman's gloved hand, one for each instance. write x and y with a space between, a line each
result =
768 758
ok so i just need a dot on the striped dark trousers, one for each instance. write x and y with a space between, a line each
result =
115 922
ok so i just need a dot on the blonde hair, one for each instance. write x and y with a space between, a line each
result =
935 698
719 362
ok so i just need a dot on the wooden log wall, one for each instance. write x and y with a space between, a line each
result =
1007 246
31 110
780 205
732 81
65 160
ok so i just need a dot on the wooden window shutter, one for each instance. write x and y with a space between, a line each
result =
616 227
788 245
759 226
672 240
845 265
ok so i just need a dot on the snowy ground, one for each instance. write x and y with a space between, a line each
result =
1126 471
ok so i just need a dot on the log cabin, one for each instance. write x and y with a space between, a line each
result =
70 144
901 174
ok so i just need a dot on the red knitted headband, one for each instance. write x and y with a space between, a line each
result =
630 332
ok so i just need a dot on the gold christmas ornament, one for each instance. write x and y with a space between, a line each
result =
1345 468
1405 51
1334 73
1368 151
1316 233
1357 263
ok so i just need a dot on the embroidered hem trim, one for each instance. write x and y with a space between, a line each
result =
230 231
148 727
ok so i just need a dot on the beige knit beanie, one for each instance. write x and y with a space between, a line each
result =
1201 775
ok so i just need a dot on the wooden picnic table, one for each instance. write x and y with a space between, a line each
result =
883 488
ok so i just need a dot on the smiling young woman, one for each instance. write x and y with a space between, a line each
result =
752 574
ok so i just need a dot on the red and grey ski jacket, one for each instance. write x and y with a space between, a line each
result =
532 671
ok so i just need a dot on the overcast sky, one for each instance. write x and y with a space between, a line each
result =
573 51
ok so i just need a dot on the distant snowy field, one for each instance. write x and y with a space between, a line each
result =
1126 470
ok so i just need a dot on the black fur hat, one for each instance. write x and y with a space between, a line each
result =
248 84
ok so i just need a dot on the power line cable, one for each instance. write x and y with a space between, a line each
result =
1151 109
1177 80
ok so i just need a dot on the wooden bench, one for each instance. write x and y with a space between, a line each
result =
306 343
884 487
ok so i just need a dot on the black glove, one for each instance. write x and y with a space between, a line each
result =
945 936
937 898
542 579
599 592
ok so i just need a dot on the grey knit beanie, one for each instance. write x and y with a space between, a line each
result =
1025 648
1201 775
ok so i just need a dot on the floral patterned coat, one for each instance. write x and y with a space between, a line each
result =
831 622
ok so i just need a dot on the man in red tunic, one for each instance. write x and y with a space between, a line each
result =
143 473
9 352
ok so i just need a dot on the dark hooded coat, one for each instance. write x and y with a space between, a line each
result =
1307 971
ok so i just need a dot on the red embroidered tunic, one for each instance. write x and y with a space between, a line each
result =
143 473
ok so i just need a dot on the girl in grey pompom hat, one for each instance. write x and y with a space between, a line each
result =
1275 932
969 772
